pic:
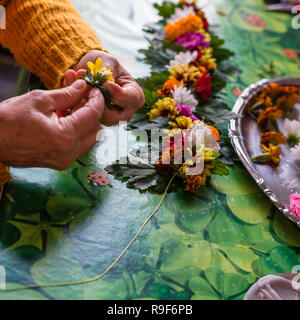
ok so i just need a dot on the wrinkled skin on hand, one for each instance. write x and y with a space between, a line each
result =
33 135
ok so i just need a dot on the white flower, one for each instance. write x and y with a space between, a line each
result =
296 152
181 13
200 129
184 96
292 127
183 58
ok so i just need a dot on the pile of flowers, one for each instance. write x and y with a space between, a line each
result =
181 97
273 103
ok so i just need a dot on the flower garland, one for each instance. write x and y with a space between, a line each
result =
275 102
182 94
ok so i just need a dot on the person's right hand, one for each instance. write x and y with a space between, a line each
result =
33 135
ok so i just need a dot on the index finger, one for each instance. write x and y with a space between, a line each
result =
88 116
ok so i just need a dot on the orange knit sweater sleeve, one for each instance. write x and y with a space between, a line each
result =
48 37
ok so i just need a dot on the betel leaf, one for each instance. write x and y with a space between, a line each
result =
220 168
139 175
166 9
144 124
215 111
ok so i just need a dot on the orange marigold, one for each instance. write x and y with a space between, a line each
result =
215 132
168 87
273 137
190 24
269 113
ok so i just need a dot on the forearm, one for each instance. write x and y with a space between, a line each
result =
48 37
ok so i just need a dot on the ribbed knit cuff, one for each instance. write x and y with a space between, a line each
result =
47 37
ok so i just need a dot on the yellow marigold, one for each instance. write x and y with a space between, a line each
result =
273 154
207 36
182 123
185 73
168 87
190 24
164 108
207 60
4 174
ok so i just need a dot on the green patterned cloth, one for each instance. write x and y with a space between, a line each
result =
69 226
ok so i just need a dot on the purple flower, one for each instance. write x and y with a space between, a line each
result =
186 111
192 41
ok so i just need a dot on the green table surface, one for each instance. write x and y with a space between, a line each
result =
55 226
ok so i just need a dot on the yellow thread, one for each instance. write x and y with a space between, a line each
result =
66 284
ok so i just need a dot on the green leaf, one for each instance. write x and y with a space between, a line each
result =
227 284
166 9
202 289
30 197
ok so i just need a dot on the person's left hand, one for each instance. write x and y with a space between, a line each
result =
125 91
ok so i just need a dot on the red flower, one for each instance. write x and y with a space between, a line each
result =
205 24
203 86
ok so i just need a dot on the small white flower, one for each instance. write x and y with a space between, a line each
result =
183 58
295 152
292 127
184 96
181 13
201 129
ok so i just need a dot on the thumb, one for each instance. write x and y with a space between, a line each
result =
69 97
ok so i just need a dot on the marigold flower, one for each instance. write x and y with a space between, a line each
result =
269 113
271 155
182 123
168 87
207 60
215 132
185 73
164 108
190 24
273 137
195 181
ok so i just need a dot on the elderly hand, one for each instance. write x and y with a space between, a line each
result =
33 135
125 91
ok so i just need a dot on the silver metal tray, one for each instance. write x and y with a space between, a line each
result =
244 133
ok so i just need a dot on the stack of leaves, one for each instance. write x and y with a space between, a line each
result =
182 96
275 102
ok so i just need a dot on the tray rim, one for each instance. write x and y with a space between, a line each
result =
236 137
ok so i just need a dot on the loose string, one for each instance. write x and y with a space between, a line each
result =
66 284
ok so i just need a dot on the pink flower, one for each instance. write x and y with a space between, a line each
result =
186 111
295 204
192 41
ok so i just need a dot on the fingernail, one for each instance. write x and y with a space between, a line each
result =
79 84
